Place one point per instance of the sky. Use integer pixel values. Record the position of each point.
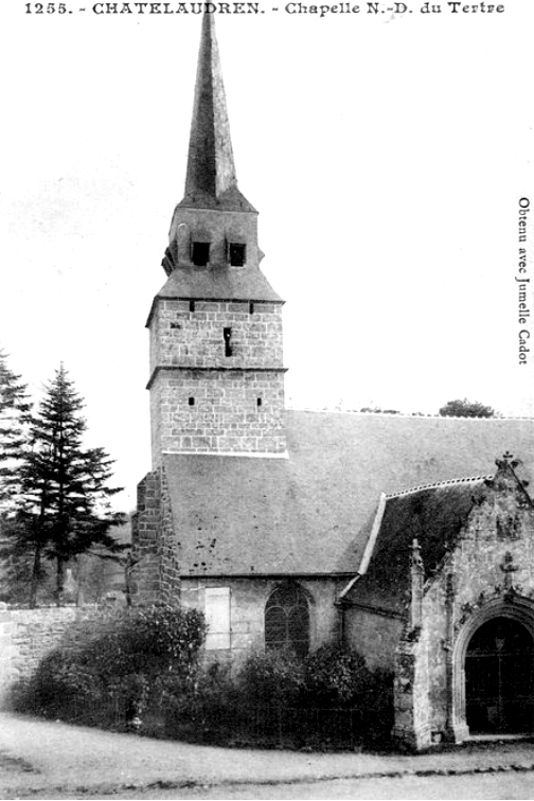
(386, 153)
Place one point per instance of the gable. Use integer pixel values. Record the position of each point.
(435, 517)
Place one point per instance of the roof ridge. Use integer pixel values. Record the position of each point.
(449, 482)
(417, 415)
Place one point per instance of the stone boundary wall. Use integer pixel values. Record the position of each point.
(27, 635)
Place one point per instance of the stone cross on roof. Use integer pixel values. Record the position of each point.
(506, 461)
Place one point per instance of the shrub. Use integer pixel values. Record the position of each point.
(149, 640)
(62, 684)
(273, 677)
(379, 710)
(140, 667)
(331, 676)
(336, 677)
(119, 666)
(210, 712)
(215, 687)
(330, 697)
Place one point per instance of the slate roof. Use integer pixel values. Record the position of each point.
(435, 516)
(211, 177)
(312, 513)
(218, 283)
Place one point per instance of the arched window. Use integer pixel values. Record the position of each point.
(287, 620)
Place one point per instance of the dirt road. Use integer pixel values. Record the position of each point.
(52, 760)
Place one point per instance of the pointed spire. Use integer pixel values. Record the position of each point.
(211, 178)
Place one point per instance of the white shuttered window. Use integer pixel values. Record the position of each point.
(217, 611)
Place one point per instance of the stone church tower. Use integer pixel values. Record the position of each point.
(216, 370)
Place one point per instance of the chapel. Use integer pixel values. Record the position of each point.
(409, 538)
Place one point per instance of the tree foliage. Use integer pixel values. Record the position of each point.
(14, 417)
(64, 505)
(466, 408)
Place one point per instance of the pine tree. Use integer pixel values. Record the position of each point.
(65, 502)
(14, 417)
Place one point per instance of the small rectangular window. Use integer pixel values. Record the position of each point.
(201, 253)
(251, 308)
(258, 401)
(191, 401)
(191, 305)
(237, 253)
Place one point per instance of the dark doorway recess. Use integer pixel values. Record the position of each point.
(499, 671)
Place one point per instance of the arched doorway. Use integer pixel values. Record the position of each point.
(499, 678)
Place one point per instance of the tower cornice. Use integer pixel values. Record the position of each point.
(207, 299)
(193, 369)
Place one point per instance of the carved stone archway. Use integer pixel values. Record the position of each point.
(511, 607)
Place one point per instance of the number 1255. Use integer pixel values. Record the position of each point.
(49, 8)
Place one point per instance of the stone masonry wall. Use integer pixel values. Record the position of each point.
(374, 636)
(247, 607)
(170, 582)
(155, 574)
(436, 634)
(412, 726)
(27, 635)
(225, 416)
(206, 400)
(179, 336)
(146, 541)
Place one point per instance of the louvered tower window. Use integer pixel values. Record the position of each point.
(200, 255)
(287, 620)
(237, 253)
